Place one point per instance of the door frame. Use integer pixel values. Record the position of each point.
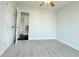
(18, 22)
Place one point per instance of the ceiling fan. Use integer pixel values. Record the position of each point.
(48, 2)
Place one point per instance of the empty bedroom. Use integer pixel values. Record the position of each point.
(39, 28)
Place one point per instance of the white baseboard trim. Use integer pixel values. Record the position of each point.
(42, 38)
(2, 52)
(77, 48)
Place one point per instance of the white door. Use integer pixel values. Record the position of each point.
(9, 26)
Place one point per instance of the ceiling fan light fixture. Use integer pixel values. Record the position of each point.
(48, 2)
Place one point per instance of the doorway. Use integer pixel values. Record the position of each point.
(24, 26)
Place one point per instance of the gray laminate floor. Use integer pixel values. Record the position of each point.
(40, 48)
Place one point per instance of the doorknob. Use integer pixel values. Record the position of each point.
(13, 27)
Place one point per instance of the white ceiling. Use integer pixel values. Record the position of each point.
(58, 4)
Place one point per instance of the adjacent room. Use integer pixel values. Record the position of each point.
(24, 25)
(39, 28)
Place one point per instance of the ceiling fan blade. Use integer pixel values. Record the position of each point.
(52, 4)
(41, 4)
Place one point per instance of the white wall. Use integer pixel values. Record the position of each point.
(42, 23)
(68, 24)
